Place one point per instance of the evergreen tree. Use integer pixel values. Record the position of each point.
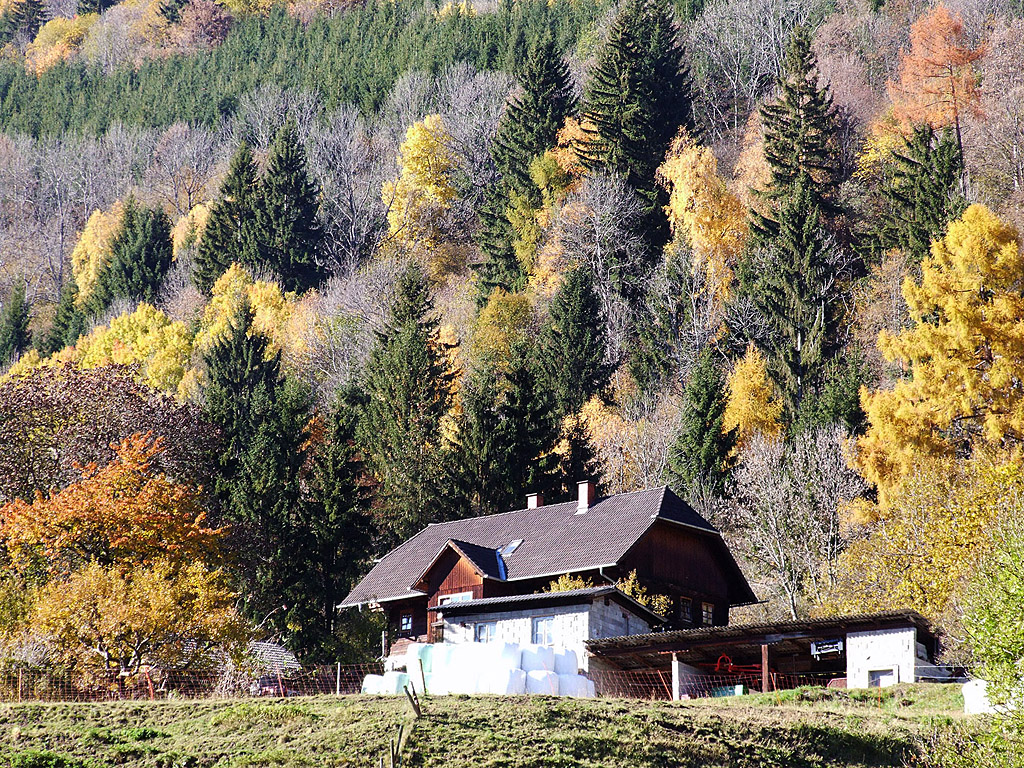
(533, 117)
(700, 453)
(837, 398)
(922, 194)
(409, 384)
(14, 336)
(577, 457)
(262, 417)
(637, 98)
(507, 435)
(573, 343)
(142, 252)
(794, 285)
(26, 16)
(68, 321)
(288, 232)
(501, 267)
(230, 232)
(799, 138)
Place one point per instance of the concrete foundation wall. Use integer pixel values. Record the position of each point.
(881, 657)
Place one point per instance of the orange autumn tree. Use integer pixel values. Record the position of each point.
(123, 513)
(937, 83)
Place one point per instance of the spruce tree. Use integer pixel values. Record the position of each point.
(68, 321)
(262, 417)
(409, 382)
(573, 343)
(26, 16)
(533, 117)
(799, 138)
(794, 287)
(14, 335)
(288, 232)
(507, 435)
(230, 232)
(637, 98)
(922, 193)
(142, 252)
(501, 267)
(700, 453)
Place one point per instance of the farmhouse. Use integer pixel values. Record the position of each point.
(482, 579)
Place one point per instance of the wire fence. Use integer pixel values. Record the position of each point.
(347, 679)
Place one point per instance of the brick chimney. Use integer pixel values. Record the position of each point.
(587, 495)
(534, 500)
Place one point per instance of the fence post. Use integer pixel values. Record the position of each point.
(149, 683)
(19, 685)
(280, 684)
(337, 682)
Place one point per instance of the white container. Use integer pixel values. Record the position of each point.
(372, 684)
(510, 656)
(575, 686)
(566, 662)
(415, 655)
(542, 682)
(394, 683)
(538, 658)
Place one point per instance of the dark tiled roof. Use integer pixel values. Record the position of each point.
(555, 540)
(486, 559)
(568, 597)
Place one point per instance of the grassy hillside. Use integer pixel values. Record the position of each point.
(801, 728)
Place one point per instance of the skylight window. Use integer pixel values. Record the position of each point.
(509, 548)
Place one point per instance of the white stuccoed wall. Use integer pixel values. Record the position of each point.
(881, 649)
(574, 625)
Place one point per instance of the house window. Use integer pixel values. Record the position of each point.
(405, 622)
(686, 610)
(544, 630)
(707, 613)
(485, 632)
(458, 597)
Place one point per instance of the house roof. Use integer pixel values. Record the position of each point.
(545, 599)
(555, 540)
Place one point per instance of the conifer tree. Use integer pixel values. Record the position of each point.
(507, 435)
(501, 267)
(533, 117)
(25, 16)
(262, 417)
(230, 232)
(577, 456)
(922, 194)
(799, 138)
(288, 232)
(14, 336)
(68, 321)
(573, 343)
(637, 99)
(700, 453)
(142, 252)
(409, 383)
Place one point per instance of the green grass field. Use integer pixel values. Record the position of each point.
(806, 727)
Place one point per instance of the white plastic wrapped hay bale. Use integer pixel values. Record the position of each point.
(566, 662)
(575, 686)
(372, 684)
(437, 684)
(439, 657)
(417, 655)
(542, 681)
(591, 689)
(538, 658)
(509, 655)
(503, 682)
(393, 683)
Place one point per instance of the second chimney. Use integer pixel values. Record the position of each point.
(587, 495)
(534, 500)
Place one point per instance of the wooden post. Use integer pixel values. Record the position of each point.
(280, 684)
(337, 681)
(19, 685)
(764, 668)
(677, 683)
(149, 682)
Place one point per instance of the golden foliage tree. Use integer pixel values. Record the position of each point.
(116, 619)
(702, 210)
(937, 83)
(918, 546)
(507, 321)
(965, 352)
(753, 406)
(123, 513)
(94, 249)
(58, 40)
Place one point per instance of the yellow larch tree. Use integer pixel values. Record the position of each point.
(58, 40)
(965, 353)
(506, 321)
(753, 406)
(92, 252)
(188, 229)
(703, 212)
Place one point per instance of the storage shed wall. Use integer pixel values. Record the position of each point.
(878, 651)
(571, 626)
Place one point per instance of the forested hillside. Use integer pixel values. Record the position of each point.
(283, 283)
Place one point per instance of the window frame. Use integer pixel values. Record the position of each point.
(402, 621)
(550, 634)
(492, 631)
(455, 597)
(686, 609)
(707, 614)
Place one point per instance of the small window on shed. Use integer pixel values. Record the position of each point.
(707, 613)
(405, 622)
(685, 610)
(544, 630)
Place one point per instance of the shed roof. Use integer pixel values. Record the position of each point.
(556, 539)
(546, 599)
